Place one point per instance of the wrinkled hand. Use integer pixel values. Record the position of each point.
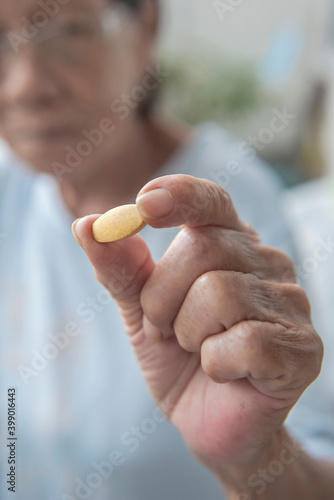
(221, 331)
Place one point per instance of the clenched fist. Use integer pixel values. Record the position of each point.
(221, 330)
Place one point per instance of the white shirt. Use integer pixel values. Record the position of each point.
(85, 399)
(310, 210)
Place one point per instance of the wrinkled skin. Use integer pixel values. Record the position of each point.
(220, 328)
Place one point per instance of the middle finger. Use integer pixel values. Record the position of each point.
(196, 251)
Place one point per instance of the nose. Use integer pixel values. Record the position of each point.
(27, 81)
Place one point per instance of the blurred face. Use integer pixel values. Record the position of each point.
(61, 69)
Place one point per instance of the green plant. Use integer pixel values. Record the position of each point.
(218, 91)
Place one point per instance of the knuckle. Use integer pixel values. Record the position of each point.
(218, 199)
(186, 341)
(195, 241)
(223, 199)
(211, 362)
(303, 300)
(300, 349)
(193, 198)
(228, 287)
(257, 347)
(245, 330)
(275, 263)
(285, 265)
(215, 285)
(316, 354)
(251, 231)
(298, 297)
(205, 282)
(320, 350)
(248, 331)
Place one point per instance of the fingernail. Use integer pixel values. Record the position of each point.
(155, 204)
(76, 230)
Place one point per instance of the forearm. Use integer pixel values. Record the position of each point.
(282, 471)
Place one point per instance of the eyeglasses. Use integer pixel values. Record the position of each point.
(67, 39)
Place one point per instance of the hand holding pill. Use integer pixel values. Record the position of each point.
(219, 326)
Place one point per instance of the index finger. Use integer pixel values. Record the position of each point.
(175, 200)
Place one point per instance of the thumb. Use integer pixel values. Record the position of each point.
(122, 267)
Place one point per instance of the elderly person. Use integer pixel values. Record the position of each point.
(222, 333)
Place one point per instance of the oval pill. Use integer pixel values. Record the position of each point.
(118, 224)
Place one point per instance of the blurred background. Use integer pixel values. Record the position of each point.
(243, 62)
